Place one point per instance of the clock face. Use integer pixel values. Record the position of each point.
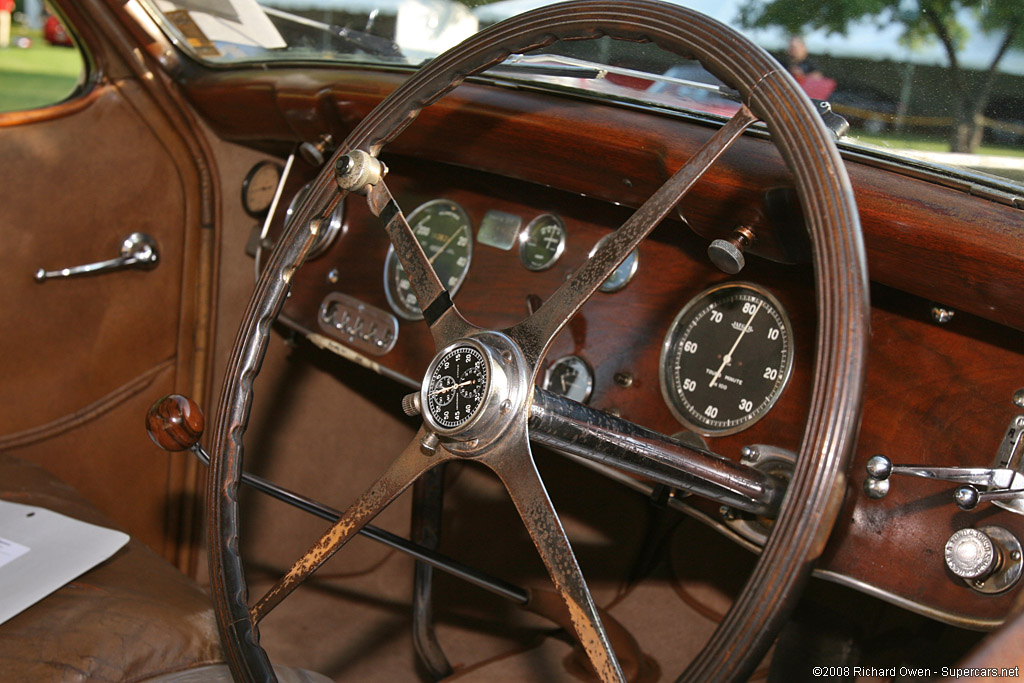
(457, 386)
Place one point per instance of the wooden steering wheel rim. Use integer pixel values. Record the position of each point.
(819, 481)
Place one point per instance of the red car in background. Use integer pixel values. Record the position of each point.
(54, 32)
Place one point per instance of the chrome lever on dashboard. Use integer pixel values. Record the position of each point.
(1003, 484)
(138, 250)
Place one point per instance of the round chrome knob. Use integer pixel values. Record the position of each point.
(879, 467)
(970, 554)
(967, 497)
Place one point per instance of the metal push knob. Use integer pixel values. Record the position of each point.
(970, 554)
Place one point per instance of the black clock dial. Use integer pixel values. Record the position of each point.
(457, 386)
(726, 359)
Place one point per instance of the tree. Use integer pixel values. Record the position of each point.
(923, 20)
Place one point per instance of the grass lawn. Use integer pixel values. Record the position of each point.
(38, 75)
(940, 143)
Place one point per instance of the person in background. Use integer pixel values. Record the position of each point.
(806, 72)
(799, 64)
(6, 8)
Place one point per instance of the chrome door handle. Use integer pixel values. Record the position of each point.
(138, 250)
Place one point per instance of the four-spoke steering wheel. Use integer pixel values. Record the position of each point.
(477, 393)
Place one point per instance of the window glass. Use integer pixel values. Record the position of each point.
(39, 62)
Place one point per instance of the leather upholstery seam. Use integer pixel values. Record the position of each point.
(88, 413)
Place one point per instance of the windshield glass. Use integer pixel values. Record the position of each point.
(942, 86)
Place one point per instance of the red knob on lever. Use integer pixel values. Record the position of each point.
(175, 423)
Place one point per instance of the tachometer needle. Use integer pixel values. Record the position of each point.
(445, 245)
(728, 357)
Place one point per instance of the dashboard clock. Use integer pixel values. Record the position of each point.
(726, 358)
(457, 386)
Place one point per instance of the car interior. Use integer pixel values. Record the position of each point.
(497, 365)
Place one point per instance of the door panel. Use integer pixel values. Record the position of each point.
(76, 352)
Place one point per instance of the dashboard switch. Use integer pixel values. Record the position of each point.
(988, 558)
(727, 255)
(971, 554)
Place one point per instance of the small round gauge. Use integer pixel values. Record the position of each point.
(457, 385)
(335, 224)
(444, 232)
(570, 376)
(726, 358)
(621, 276)
(542, 242)
(259, 187)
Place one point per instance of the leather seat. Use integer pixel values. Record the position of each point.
(131, 618)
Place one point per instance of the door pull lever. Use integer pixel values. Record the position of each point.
(138, 250)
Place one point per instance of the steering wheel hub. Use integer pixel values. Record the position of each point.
(474, 391)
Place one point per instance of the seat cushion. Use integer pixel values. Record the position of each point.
(131, 617)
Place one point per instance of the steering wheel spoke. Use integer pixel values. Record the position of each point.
(406, 469)
(515, 467)
(603, 438)
(534, 334)
(445, 322)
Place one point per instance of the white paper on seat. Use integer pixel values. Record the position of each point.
(41, 550)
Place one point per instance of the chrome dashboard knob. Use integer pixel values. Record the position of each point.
(987, 559)
(970, 554)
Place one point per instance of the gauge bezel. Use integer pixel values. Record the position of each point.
(400, 309)
(632, 259)
(589, 374)
(665, 371)
(524, 237)
(247, 183)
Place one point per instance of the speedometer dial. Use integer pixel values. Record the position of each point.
(444, 232)
(726, 358)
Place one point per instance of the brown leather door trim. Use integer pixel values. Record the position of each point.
(88, 413)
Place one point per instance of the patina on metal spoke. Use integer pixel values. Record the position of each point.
(405, 470)
(534, 334)
(445, 322)
(514, 465)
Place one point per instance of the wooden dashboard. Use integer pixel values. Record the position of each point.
(937, 394)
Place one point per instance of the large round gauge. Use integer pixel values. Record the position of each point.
(444, 232)
(726, 358)
(457, 386)
(625, 271)
(328, 233)
(542, 242)
(259, 188)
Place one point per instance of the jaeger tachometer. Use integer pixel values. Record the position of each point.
(726, 358)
